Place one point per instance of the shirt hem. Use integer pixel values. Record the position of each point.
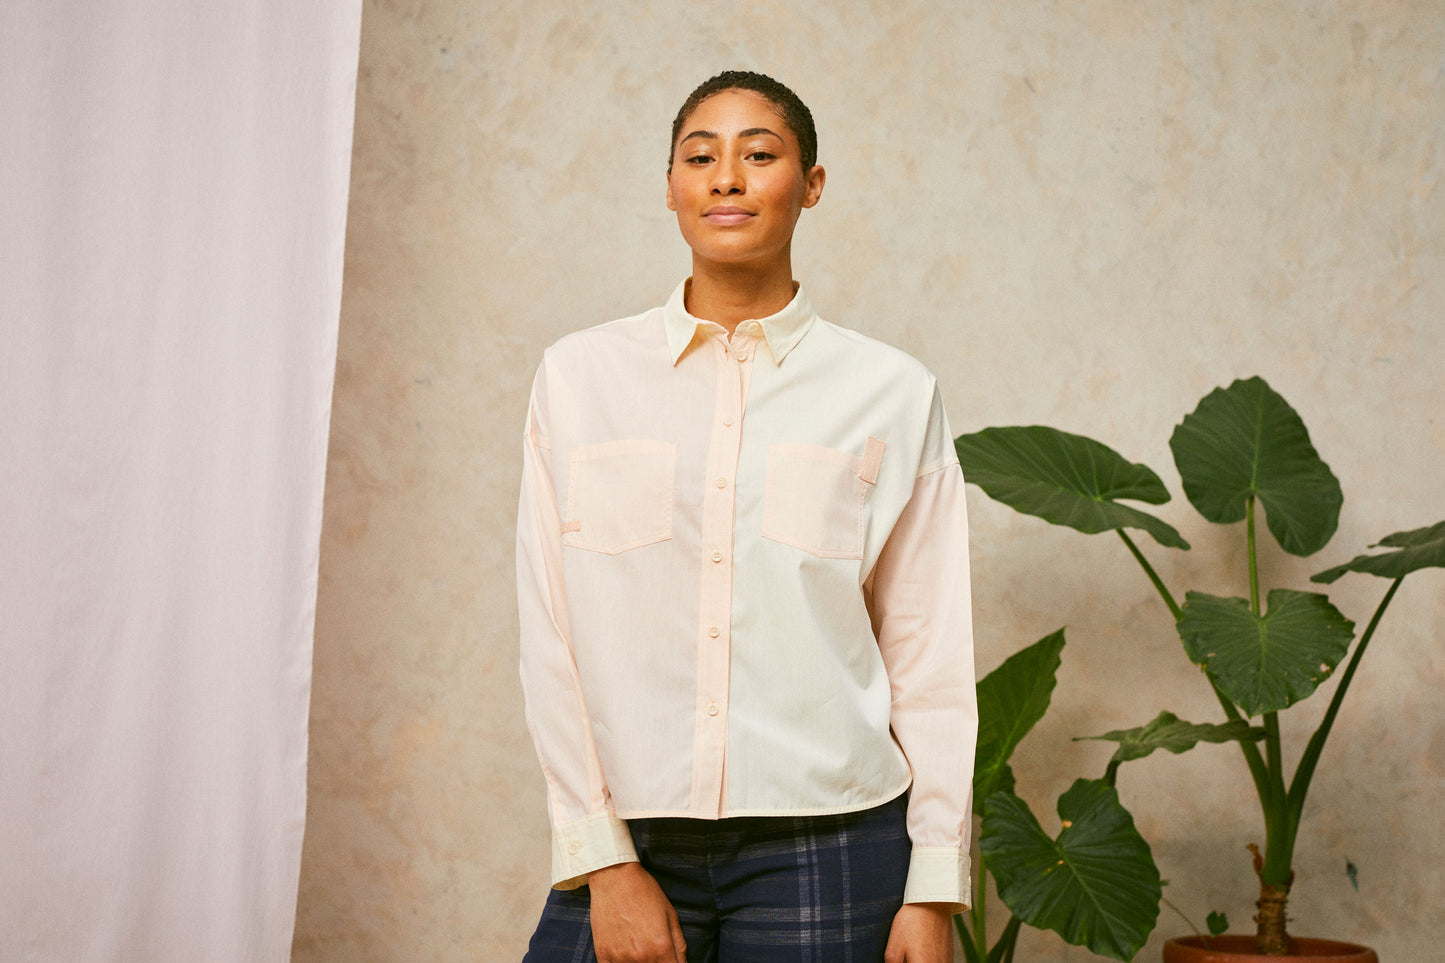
(887, 797)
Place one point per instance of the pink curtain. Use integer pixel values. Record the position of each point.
(173, 179)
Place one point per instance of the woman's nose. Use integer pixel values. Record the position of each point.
(727, 177)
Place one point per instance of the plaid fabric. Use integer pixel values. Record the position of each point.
(769, 889)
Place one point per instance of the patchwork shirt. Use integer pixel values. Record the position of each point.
(742, 567)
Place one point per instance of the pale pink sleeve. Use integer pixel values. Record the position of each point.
(586, 833)
(919, 600)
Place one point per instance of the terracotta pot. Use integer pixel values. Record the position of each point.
(1240, 949)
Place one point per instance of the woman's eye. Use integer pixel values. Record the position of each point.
(699, 159)
(759, 155)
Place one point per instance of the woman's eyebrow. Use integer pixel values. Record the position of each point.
(713, 135)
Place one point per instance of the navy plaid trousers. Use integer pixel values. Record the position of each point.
(759, 889)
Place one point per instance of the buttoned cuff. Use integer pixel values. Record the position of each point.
(588, 844)
(938, 874)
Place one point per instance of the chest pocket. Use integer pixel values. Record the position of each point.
(814, 497)
(619, 495)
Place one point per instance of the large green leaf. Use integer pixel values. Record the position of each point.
(1011, 699)
(1267, 663)
(1168, 731)
(1417, 548)
(1096, 885)
(1064, 479)
(1245, 440)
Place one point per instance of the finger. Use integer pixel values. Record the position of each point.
(679, 945)
(894, 951)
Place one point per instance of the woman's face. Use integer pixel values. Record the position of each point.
(737, 182)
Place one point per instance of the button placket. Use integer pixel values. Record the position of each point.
(715, 588)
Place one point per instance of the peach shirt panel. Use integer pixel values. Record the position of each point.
(743, 585)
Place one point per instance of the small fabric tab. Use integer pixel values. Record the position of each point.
(872, 461)
(571, 526)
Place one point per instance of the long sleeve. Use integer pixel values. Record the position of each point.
(919, 601)
(586, 832)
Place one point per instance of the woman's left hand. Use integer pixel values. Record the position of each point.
(921, 933)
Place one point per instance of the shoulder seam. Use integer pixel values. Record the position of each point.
(937, 466)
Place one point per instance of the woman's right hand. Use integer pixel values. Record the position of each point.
(632, 921)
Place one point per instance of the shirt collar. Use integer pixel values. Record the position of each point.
(782, 331)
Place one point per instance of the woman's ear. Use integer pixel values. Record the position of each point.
(671, 204)
(813, 185)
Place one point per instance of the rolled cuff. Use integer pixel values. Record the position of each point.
(589, 844)
(938, 874)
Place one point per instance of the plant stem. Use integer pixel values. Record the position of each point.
(1007, 942)
(1273, 749)
(1252, 758)
(1275, 873)
(1253, 557)
(1180, 913)
(1258, 771)
(965, 939)
(1174, 609)
(1300, 786)
(1269, 779)
(1278, 837)
(979, 910)
(1271, 935)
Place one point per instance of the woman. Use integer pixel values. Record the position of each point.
(743, 584)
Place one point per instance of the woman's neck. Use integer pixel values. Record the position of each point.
(730, 295)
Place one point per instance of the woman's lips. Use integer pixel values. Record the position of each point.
(726, 216)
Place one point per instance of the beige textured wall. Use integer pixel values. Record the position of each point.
(1082, 214)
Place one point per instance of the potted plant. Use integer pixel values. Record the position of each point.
(1094, 883)
(1241, 450)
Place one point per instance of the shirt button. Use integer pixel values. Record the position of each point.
(722, 482)
(574, 847)
(717, 556)
(742, 356)
(727, 421)
(714, 631)
(712, 708)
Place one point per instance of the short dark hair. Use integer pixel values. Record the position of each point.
(790, 108)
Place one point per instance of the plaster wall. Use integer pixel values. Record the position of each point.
(1085, 215)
